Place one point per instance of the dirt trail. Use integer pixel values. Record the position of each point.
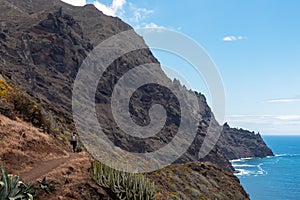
(41, 168)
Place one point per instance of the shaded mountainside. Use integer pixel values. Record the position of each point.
(42, 46)
(239, 143)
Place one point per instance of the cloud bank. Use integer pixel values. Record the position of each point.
(267, 124)
(294, 100)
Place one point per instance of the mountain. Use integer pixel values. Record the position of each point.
(43, 44)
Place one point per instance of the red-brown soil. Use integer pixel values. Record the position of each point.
(33, 155)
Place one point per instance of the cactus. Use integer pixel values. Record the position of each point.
(13, 189)
(123, 184)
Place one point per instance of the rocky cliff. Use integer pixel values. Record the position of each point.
(44, 42)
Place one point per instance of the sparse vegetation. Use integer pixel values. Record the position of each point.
(13, 189)
(123, 184)
(6, 108)
(47, 186)
(5, 89)
(28, 110)
(17, 102)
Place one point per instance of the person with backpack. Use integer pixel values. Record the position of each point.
(73, 141)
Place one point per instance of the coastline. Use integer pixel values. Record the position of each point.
(266, 178)
(238, 171)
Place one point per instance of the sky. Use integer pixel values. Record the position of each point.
(255, 46)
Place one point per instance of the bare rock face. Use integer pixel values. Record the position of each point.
(239, 143)
(44, 42)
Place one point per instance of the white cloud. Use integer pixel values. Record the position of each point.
(265, 119)
(139, 13)
(284, 100)
(152, 25)
(234, 38)
(130, 13)
(116, 8)
(75, 2)
(288, 117)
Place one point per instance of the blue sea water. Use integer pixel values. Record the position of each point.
(274, 178)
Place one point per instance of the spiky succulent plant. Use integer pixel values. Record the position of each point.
(11, 188)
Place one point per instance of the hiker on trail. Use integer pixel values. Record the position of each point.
(73, 141)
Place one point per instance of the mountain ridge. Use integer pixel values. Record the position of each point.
(49, 54)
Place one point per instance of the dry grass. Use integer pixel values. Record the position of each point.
(26, 150)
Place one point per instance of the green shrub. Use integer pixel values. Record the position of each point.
(47, 186)
(7, 109)
(16, 102)
(26, 108)
(5, 89)
(29, 110)
(123, 184)
(13, 189)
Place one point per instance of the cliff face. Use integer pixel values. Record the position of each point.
(43, 44)
(239, 143)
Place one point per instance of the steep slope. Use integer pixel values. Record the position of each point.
(43, 44)
(33, 155)
(198, 181)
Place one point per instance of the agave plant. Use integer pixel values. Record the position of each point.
(11, 188)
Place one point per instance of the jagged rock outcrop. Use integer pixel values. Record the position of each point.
(43, 44)
(239, 143)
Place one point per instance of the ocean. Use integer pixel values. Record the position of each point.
(274, 178)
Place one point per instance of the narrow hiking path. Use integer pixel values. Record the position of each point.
(41, 168)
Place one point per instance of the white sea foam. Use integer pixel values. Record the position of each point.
(242, 172)
(242, 165)
(241, 159)
(250, 158)
(260, 171)
(255, 170)
(280, 155)
(286, 155)
(235, 160)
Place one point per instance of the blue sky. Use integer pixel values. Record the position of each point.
(254, 44)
